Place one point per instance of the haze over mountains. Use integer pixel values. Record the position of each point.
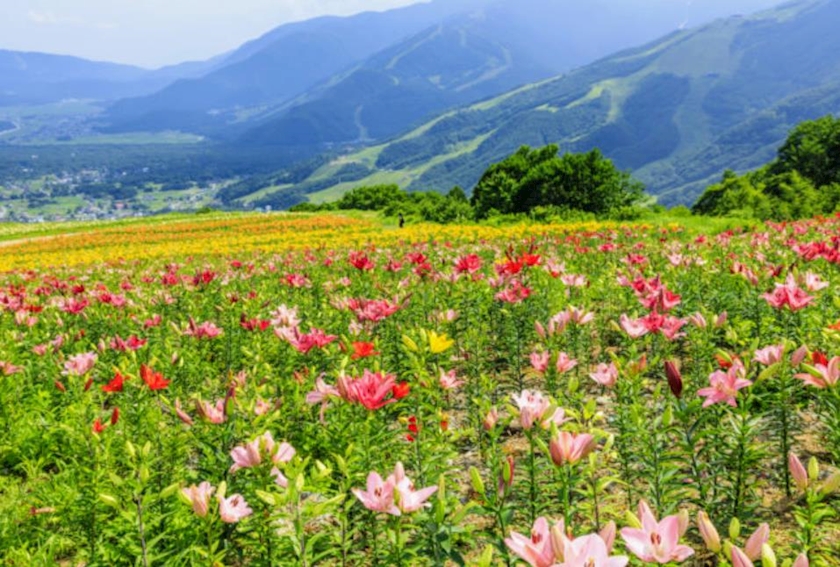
(37, 78)
(485, 77)
(371, 75)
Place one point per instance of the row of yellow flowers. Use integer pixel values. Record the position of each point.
(244, 234)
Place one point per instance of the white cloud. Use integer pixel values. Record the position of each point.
(42, 18)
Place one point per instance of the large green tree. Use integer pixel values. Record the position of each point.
(802, 181)
(539, 177)
(813, 150)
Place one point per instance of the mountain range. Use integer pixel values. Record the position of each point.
(370, 76)
(39, 78)
(430, 94)
(676, 112)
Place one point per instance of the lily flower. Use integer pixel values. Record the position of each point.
(379, 496)
(605, 374)
(724, 386)
(199, 497)
(537, 550)
(233, 508)
(570, 448)
(589, 551)
(656, 542)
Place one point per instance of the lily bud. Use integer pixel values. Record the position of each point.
(632, 520)
(506, 478)
(558, 540)
(831, 484)
(607, 534)
(698, 320)
(801, 561)
(490, 419)
(758, 538)
(740, 559)
(797, 471)
(182, 415)
(813, 469)
(672, 372)
(708, 532)
(768, 558)
(683, 520)
(799, 355)
(475, 479)
(734, 529)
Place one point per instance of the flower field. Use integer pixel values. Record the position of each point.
(323, 390)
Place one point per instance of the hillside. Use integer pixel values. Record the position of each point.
(372, 75)
(274, 68)
(677, 111)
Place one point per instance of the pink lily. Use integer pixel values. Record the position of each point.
(532, 406)
(656, 542)
(770, 355)
(79, 364)
(449, 380)
(206, 330)
(214, 413)
(605, 374)
(369, 390)
(564, 363)
(589, 551)
(199, 497)
(537, 550)
(822, 375)
(579, 315)
(408, 499)
(724, 386)
(379, 496)
(813, 282)
(246, 456)
(569, 448)
(539, 361)
(634, 328)
(233, 509)
(788, 294)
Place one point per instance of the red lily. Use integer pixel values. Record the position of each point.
(154, 380)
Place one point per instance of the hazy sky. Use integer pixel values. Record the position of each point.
(151, 33)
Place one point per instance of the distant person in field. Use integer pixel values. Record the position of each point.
(402, 220)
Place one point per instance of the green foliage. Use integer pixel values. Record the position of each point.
(530, 178)
(812, 149)
(804, 180)
(371, 198)
(392, 201)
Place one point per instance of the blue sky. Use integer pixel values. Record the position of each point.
(152, 33)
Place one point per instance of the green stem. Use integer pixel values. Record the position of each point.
(532, 474)
(567, 494)
(398, 540)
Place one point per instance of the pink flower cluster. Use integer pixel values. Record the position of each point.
(231, 509)
(549, 546)
(251, 455)
(395, 495)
